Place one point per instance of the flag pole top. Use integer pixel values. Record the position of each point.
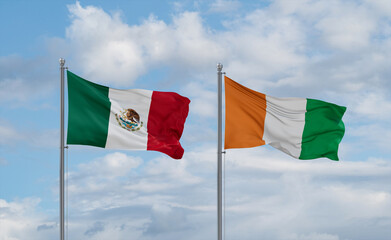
(62, 61)
(219, 67)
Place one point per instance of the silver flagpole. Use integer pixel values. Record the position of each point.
(62, 232)
(219, 153)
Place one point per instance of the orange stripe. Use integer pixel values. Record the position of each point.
(245, 112)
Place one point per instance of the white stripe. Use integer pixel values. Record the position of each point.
(284, 124)
(121, 100)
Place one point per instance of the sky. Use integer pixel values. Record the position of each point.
(336, 51)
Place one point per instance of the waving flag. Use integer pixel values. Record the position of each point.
(303, 128)
(125, 119)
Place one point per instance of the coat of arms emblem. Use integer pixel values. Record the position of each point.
(129, 119)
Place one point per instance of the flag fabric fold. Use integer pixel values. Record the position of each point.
(133, 119)
(303, 128)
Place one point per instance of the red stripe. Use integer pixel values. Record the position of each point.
(167, 116)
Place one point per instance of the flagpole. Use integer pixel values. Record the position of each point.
(219, 153)
(62, 232)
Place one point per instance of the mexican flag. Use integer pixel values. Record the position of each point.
(133, 119)
(303, 128)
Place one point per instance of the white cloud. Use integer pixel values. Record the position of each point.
(372, 105)
(371, 136)
(265, 189)
(261, 46)
(98, 227)
(101, 177)
(162, 219)
(347, 25)
(265, 192)
(111, 166)
(169, 199)
(307, 48)
(382, 7)
(20, 219)
(336, 49)
(303, 46)
(111, 51)
(201, 100)
(104, 44)
(284, 49)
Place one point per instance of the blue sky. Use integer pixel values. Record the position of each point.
(337, 51)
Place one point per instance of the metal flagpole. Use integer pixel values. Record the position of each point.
(62, 232)
(219, 153)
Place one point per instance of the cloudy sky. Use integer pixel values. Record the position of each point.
(337, 51)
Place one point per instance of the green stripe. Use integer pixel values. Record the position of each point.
(323, 130)
(88, 112)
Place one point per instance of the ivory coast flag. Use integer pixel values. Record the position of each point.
(125, 119)
(303, 128)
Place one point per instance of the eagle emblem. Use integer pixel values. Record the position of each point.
(129, 119)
